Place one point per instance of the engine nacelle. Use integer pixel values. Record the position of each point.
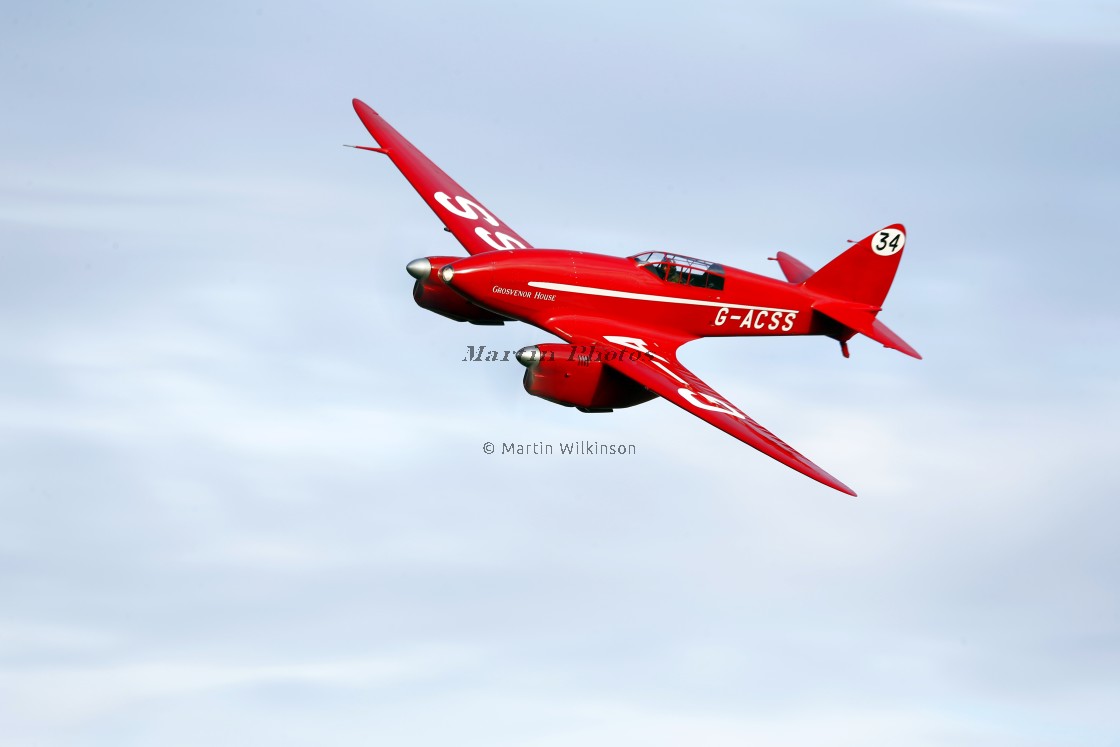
(554, 373)
(431, 293)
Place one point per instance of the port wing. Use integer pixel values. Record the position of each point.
(649, 358)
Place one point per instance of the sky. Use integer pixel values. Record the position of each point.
(243, 496)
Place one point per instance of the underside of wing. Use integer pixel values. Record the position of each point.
(650, 359)
(476, 228)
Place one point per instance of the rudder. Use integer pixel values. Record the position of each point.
(865, 271)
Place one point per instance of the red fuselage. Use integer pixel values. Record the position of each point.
(540, 286)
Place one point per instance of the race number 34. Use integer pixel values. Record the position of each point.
(888, 241)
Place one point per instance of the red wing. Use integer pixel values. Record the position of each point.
(650, 359)
(476, 228)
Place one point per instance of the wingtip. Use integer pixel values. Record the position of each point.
(809, 469)
(835, 484)
(362, 107)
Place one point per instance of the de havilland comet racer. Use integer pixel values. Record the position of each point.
(624, 318)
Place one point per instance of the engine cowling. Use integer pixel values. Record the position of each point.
(553, 372)
(431, 293)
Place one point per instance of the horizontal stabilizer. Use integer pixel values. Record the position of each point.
(861, 318)
(794, 269)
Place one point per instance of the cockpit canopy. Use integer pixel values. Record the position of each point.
(677, 268)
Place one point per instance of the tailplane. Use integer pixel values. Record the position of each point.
(854, 286)
(857, 317)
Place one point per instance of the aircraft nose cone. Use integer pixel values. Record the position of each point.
(419, 268)
(528, 356)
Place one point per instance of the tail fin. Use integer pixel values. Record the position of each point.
(864, 272)
(855, 285)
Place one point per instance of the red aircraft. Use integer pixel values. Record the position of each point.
(624, 318)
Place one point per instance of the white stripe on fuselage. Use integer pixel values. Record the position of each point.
(589, 291)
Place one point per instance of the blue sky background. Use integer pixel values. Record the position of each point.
(242, 492)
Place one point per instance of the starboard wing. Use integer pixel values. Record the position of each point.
(476, 228)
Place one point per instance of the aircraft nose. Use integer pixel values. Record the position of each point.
(419, 268)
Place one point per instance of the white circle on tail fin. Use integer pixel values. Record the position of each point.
(888, 241)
